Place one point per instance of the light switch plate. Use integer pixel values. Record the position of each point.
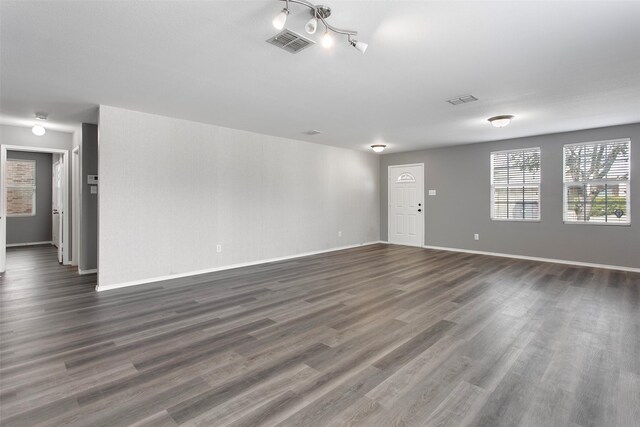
(432, 192)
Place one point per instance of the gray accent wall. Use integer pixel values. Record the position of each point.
(171, 190)
(89, 215)
(37, 228)
(461, 207)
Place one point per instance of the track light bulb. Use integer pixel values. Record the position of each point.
(361, 46)
(312, 25)
(327, 40)
(280, 19)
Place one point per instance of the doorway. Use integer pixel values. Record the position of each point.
(62, 219)
(406, 204)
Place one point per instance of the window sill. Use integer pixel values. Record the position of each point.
(615, 224)
(514, 220)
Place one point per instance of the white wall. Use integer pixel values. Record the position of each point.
(19, 135)
(171, 190)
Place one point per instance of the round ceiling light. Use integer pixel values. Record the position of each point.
(38, 130)
(378, 148)
(500, 121)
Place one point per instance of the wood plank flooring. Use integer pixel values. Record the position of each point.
(375, 336)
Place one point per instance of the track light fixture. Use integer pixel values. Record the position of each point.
(280, 19)
(361, 46)
(319, 13)
(327, 40)
(311, 26)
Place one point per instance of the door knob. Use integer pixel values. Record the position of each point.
(419, 210)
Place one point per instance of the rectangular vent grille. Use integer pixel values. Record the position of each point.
(464, 99)
(290, 41)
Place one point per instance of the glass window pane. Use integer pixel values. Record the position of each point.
(20, 201)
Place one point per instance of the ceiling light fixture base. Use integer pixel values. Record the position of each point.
(321, 12)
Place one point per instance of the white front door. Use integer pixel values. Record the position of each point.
(406, 204)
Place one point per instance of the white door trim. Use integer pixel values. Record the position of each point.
(389, 198)
(3, 197)
(75, 205)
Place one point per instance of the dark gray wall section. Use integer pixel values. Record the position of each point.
(30, 229)
(89, 216)
(461, 207)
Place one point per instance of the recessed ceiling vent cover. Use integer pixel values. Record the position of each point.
(290, 41)
(464, 99)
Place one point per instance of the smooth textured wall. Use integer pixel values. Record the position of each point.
(171, 190)
(461, 177)
(37, 228)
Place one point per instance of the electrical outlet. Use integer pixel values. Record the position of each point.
(476, 237)
(432, 192)
(339, 233)
(218, 248)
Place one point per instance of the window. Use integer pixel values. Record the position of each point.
(596, 182)
(405, 177)
(515, 185)
(21, 187)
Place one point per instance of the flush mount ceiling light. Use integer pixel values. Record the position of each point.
(378, 148)
(500, 121)
(39, 130)
(319, 13)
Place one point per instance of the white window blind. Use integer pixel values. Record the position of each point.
(596, 182)
(515, 185)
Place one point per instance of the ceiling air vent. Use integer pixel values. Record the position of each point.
(464, 99)
(290, 41)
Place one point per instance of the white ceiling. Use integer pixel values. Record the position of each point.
(556, 66)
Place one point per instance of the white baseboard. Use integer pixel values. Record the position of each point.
(533, 258)
(83, 272)
(16, 245)
(101, 288)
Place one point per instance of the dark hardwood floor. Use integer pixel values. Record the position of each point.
(374, 336)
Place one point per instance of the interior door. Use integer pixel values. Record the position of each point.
(406, 204)
(57, 208)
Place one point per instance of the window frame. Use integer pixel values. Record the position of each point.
(508, 186)
(565, 184)
(32, 187)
